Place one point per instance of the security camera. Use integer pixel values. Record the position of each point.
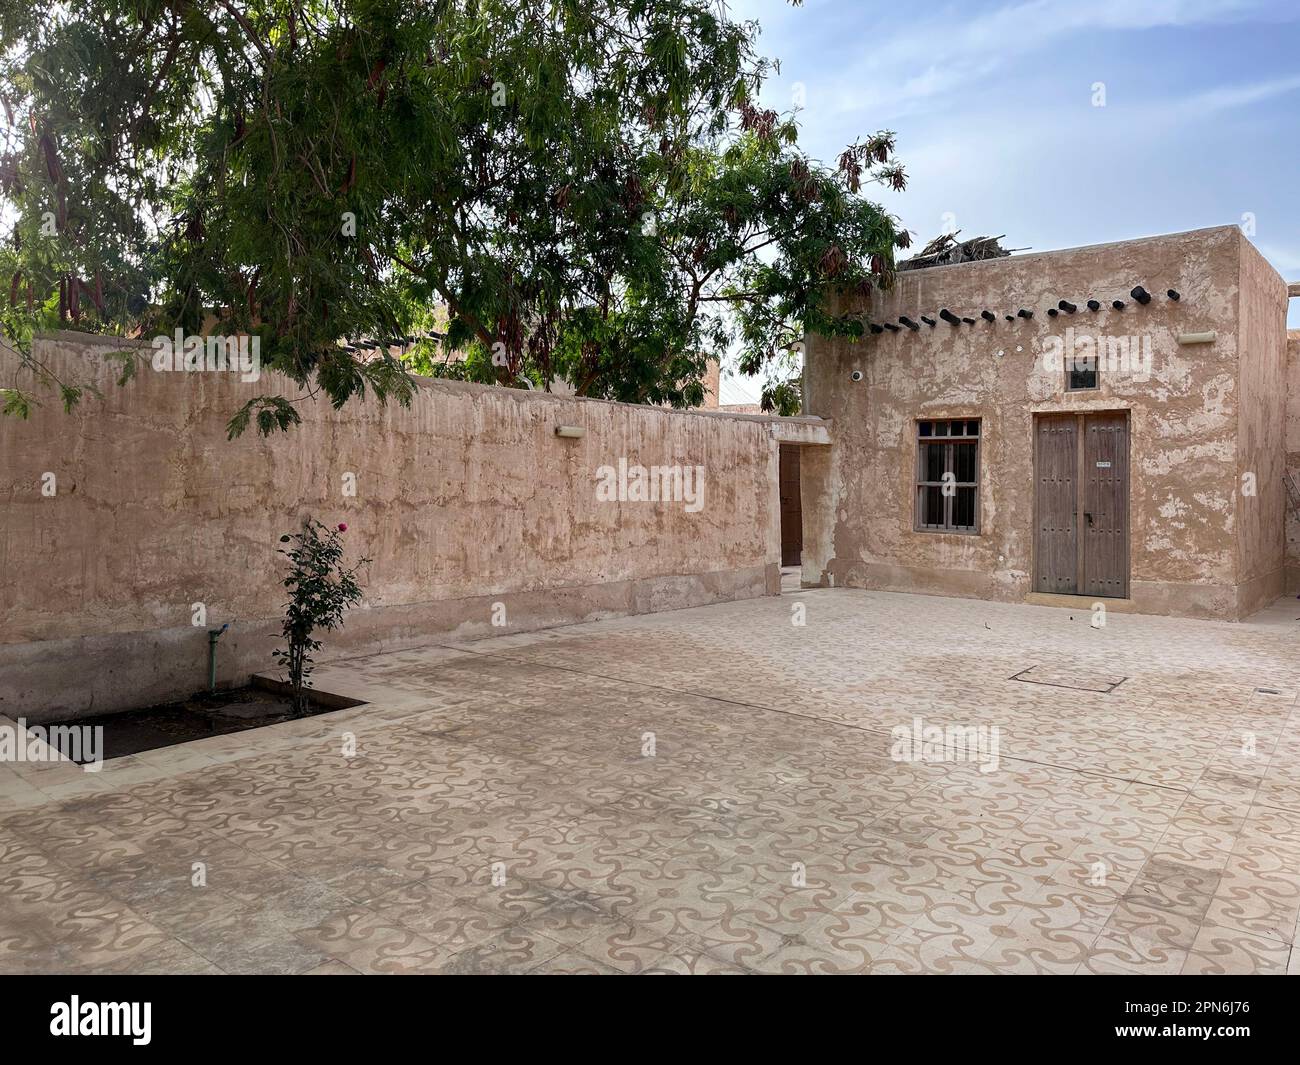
(856, 375)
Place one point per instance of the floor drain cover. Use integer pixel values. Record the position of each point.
(1078, 679)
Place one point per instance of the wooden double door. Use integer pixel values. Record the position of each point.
(1081, 474)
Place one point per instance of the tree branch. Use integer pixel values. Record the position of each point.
(247, 27)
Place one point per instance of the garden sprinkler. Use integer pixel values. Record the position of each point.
(213, 636)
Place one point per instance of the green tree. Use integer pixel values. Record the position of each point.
(320, 592)
(586, 186)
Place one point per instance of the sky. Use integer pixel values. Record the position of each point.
(1055, 123)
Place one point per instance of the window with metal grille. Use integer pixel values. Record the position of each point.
(947, 475)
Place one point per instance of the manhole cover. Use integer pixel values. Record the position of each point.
(1079, 679)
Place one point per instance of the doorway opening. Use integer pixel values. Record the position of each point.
(791, 518)
(1081, 473)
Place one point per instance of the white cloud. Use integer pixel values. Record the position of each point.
(1225, 97)
(938, 55)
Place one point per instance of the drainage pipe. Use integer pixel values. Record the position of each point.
(213, 636)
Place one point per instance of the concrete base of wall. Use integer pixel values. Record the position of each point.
(54, 680)
(962, 583)
(1256, 594)
(1186, 600)
(1218, 602)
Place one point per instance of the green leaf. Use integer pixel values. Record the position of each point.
(128, 362)
(17, 404)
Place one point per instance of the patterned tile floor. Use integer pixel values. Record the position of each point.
(705, 791)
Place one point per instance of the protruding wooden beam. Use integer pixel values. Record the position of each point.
(1173, 294)
(1117, 304)
(909, 323)
(877, 329)
(988, 316)
(1066, 305)
(1052, 312)
(968, 321)
(1093, 305)
(949, 317)
(1141, 295)
(928, 321)
(1022, 313)
(891, 327)
(1293, 289)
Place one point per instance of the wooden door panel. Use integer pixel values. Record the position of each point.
(1104, 506)
(1056, 546)
(791, 505)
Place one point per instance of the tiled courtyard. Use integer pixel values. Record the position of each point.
(705, 791)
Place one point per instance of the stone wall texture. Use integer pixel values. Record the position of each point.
(463, 500)
(1206, 415)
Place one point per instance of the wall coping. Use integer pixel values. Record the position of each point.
(1049, 253)
(438, 384)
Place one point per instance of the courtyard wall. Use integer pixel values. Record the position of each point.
(470, 506)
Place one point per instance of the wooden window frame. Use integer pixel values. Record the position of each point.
(920, 484)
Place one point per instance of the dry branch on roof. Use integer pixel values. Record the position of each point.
(946, 249)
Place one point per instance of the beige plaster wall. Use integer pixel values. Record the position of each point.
(463, 500)
(1188, 555)
(1261, 433)
(1293, 462)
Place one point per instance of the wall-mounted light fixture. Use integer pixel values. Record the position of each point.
(571, 432)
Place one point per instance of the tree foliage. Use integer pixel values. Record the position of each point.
(320, 591)
(582, 190)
